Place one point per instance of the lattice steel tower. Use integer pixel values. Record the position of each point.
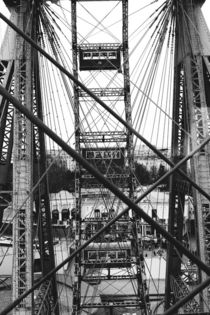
(100, 60)
(19, 74)
(190, 113)
(104, 65)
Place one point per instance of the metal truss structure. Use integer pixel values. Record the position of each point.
(105, 157)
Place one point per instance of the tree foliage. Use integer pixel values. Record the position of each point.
(149, 176)
(142, 174)
(60, 177)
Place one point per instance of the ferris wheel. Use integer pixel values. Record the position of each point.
(118, 92)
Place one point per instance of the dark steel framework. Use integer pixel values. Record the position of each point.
(28, 65)
(188, 91)
(94, 146)
(190, 113)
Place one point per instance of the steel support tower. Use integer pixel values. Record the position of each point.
(191, 114)
(20, 75)
(109, 148)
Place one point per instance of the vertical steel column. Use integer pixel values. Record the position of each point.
(193, 45)
(177, 193)
(6, 134)
(130, 156)
(77, 227)
(22, 170)
(199, 128)
(127, 95)
(48, 291)
(128, 185)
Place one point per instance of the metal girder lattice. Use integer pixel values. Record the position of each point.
(99, 140)
(177, 193)
(181, 290)
(6, 135)
(171, 239)
(20, 76)
(77, 263)
(47, 299)
(192, 116)
(200, 163)
(22, 173)
(142, 287)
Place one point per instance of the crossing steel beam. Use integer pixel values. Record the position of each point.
(115, 190)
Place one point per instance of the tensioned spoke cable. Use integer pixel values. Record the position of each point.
(53, 61)
(161, 110)
(152, 54)
(99, 25)
(80, 18)
(114, 189)
(160, 100)
(132, 14)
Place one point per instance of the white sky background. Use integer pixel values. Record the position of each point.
(3, 9)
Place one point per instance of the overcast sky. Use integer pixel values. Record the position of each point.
(206, 11)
